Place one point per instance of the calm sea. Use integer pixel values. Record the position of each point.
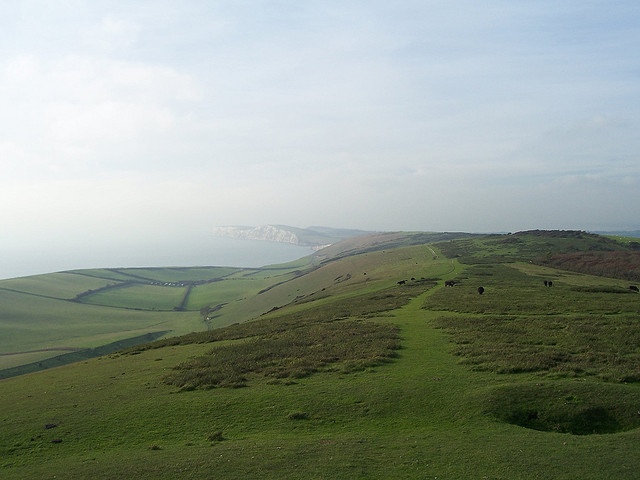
(209, 251)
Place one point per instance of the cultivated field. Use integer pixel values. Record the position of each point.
(46, 316)
(360, 364)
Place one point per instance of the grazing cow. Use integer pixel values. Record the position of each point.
(480, 290)
(550, 283)
(546, 284)
(449, 283)
(402, 282)
(633, 288)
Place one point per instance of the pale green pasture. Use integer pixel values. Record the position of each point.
(138, 296)
(224, 291)
(107, 273)
(33, 321)
(276, 273)
(246, 294)
(29, 322)
(354, 275)
(178, 274)
(63, 285)
(9, 361)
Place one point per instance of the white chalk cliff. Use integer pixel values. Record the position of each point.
(313, 237)
(268, 233)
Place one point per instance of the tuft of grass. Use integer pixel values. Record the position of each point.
(298, 416)
(216, 436)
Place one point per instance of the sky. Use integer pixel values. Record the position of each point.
(132, 122)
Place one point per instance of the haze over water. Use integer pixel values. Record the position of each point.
(201, 251)
(132, 121)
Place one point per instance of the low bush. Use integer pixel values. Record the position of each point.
(291, 353)
(360, 306)
(596, 345)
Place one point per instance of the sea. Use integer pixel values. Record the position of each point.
(209, 251)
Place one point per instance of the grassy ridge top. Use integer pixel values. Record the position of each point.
(523, 381)
(530, 246)
(567, 250)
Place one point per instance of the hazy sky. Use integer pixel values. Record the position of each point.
(125, 121)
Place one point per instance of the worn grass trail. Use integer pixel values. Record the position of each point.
(461, 441)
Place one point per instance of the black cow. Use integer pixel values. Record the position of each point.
(633, 288)
(480, 290)
(449, 283)
(550, 283)
(546, 284)
(402, 282)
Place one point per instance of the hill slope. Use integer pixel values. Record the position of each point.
(523, 381)
(49, 320)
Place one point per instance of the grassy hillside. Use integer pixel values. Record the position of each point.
(46, 316)
(359, 363)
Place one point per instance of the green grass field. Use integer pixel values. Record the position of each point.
(63, 285)
(139, 296)
(522, 382)
(44, 316)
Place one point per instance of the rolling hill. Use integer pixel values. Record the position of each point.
(355, 362)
